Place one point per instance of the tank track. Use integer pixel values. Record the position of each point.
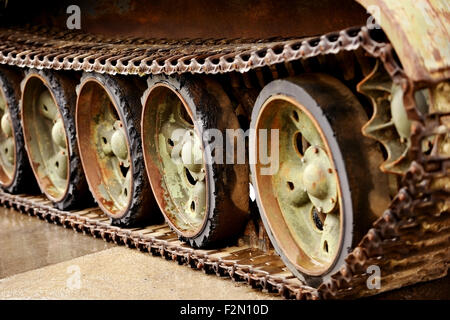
(43, 48)
(410, 242)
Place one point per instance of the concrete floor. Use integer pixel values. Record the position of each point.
(27, 243)
(43, 261)
(39, 260)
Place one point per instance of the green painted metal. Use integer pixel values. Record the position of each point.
(399, 116)
(419, 32)
(306, 184)
(7, 153)
(182, 162)
(113, 155)
(48, 142)
(389, 123)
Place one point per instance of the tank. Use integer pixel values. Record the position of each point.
(301, 146)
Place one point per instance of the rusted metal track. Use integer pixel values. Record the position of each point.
(44, 48)
(410, 243)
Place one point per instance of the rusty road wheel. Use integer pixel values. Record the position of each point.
(15, 170)
(107, 118)
(328, 188)
(203, 200)
(47, 109)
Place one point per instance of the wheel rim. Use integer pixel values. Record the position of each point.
(177, 158)
(7, 144)
(104, 148)
(304, 196)
(45, 138)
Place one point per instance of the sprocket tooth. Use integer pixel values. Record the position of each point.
(378, 87)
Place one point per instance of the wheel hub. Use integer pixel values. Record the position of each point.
(6, 125)
(319, 180)
(58, 134)
(119, 142)
(315, 181)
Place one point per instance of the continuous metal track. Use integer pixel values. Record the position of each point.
(410, 242)
(43, 48)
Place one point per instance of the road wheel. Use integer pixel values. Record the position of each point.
(327, 190)
(15, 169)
(47, 110)
(107, 117)
(203, 199)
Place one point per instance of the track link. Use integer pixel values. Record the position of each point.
(43, 48)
